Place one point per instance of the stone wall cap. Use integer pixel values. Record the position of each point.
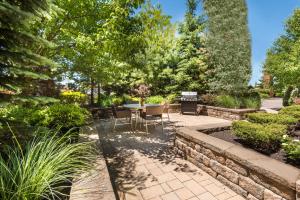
(232, 110)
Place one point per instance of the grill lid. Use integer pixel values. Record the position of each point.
(189, 96)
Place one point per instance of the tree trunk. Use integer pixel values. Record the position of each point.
(92, 91)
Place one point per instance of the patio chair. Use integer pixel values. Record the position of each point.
(152, 113)
(119, 114)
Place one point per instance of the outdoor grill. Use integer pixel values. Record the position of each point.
(189, 102)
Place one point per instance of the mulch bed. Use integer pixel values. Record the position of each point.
(278, 155)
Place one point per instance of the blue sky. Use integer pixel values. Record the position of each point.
(266, 23)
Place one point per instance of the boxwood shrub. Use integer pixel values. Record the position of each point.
(265, 137)
(269, 118)
(293, 110)
(291, 147)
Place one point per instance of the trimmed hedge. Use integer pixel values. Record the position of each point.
(264, 136)
(291, 147)
(291, 110)
(269, 118)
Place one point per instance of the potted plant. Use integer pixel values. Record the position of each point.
(142, 91)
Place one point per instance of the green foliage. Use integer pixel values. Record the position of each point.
(192, 65)
(228, 45)
(269, 118)
(250, 99)
(20, 63)
(171, 98)
(265, 136)
(43, 169)
(73, 97)
(282, 61)
(155, 99)
(293, 110)
(291, 147)
(287, 95)
(227, 101)
(64, 116)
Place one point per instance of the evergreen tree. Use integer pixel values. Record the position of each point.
(191, 69)
(228, 45)
(19, 64)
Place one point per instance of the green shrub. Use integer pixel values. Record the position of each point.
(171, 98)
(264, 96)
(117, 100)
(65, 116)
(291, 147)
(287, 95)
(154, 99)
(73, 97)
(250, 102)
(270, 118)
(44, 169)
(293, 110)
(264, 136)
(227, 101)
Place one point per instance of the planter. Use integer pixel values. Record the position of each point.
(249, 173)
(224, 113)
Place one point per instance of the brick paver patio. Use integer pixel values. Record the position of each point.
(144, 167)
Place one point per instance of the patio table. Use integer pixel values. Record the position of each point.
(137, 108)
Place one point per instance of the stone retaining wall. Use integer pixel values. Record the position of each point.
(224, 113)
(250, 174)
(174, 108)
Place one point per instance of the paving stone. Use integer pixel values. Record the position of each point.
(206, 196)
(151, 166)
(156, 171)
(194, 187)
(236, 198)
(200, 177)
(182, 176)
(205, 182)
(213, 189)
(184, 194)
(166, 177)
(223, 196)
(170, 196)
(175, 184)
(166, 188)
(193, 198)
(152, 192)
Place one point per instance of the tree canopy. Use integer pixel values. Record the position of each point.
(283, 58)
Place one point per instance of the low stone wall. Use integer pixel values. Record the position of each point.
(250, 174)
(174, 108)
(224, 113)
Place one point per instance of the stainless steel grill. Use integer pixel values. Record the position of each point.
(189, 102)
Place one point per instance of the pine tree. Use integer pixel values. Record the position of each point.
(228, 45)
(19, 64)
(191, 69)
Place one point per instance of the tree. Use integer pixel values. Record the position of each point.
(191, 69)
(96, 40)
(283, 58)
(19, 63)
(228, 45)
